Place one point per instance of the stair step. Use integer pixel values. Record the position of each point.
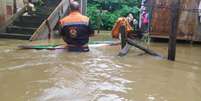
(32, 18)
(52, 2)
(26, 24)
(21, 30)
(44, 11)
(15, 36)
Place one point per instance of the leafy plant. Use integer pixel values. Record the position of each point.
(104, 13)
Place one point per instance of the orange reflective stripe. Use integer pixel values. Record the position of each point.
(74, 18)
(75, 23)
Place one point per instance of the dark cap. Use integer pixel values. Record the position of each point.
(74, 6)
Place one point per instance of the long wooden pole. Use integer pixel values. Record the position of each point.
(127, 42)
(148, 51)
(173, 33)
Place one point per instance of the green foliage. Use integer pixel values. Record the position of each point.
(109, 20)
(92, 11)
(104, 13)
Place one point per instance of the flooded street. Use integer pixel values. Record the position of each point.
(100, 75)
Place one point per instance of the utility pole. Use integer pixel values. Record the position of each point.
(173, 34)
(14, 6)
(84, 7)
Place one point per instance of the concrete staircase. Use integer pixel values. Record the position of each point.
(25, 25)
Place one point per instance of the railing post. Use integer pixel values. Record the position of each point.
(14, 6)
(49, 29)
(123, 36)
(173, 33)
(84, 7)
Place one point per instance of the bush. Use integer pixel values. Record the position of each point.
(104, 13)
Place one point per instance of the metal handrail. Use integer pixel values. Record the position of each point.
(45, 29)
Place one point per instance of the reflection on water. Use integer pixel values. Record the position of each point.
(100, 75)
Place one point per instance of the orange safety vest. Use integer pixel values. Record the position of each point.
(74, 18)
(116, 28)
(76, 29)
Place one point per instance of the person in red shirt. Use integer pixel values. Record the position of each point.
(75, 29)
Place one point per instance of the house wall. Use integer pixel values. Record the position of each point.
(6, 9)
(161, 18)
(188, 22)
(187, 19)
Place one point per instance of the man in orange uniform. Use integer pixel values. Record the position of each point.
(76, 29)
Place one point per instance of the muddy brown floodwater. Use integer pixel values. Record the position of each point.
(100, 75)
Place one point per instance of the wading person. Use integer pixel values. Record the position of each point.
(130, 24)
(145, 20)
(30, 8)
(75, 29)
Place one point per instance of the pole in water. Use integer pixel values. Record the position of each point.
(173, 33)
(123, 36)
